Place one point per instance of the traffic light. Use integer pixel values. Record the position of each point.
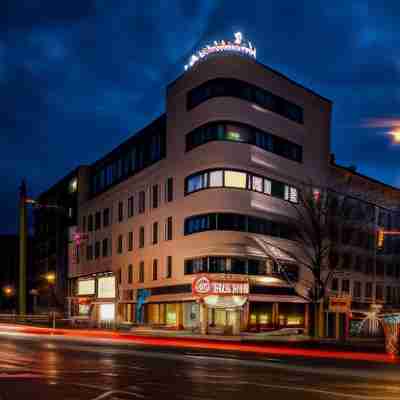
(381, 239)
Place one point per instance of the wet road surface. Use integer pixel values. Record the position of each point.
(43, 367)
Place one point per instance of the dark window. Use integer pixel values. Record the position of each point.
(84, 223)
(155, 269)
(379, 292)
(155, 232)
(97, 220)
(368, 290)
(141, 237)
(217, 265)
(89, 252)
(130, 207)
(357, 289)
(345, 286)
(228, 87)
(235, 222)
(120, 211)
(130, 273)
(119, 276)
(155, 196)
(90, 223)
(241, 133)
(97, 250)
(169, 267)
(105, 247)
(142, 202)
(335, 285)
(168, 229)
(130, 241)
(106, 217)
(169, 192)
(255, 267)
(141, 271)
(119, 244)
(237, 266)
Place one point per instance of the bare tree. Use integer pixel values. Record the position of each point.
(319, 218)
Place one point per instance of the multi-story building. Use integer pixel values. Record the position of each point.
(189, 194)
(55, 219)
(170, 233)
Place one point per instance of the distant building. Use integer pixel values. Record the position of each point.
(55, 218)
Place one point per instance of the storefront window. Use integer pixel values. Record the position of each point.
(106, 287)
(171, 314)
(86, 287)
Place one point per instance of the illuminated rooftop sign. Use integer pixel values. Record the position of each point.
(237, 46)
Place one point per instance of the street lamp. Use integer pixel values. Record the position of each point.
(51, 280)
(8, 292)
(395, 136)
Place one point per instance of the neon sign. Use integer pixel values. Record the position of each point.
(238, 46)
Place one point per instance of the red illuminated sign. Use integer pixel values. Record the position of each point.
(205, 286)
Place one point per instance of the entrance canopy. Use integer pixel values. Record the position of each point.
(216, 301)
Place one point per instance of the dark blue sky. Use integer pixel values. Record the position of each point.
(78, 77)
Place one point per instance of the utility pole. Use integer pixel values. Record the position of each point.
(23, 237)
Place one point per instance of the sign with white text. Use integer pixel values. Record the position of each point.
(206, 286)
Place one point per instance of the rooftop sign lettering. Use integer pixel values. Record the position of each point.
(237, 46)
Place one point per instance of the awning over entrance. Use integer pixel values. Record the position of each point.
(276, 298)
(215, 301)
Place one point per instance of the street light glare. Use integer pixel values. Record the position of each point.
(51, 277)
(395, 135)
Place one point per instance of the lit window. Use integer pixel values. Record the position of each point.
(257, 184)
(73, 185)
(107, 312)
(216, 179)
(267, 186)
(291, 194)
(234, 136)
(235, 179)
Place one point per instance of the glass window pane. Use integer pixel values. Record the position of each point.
(216, 179)
(235, 179)
(257, 184)
(267, 186)
(195, 183)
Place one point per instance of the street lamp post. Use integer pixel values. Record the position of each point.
(51, 280)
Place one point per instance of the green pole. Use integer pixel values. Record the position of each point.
(22, 248)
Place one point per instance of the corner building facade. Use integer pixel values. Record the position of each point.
(196, 194)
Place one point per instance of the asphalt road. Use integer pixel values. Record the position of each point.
(42, 367)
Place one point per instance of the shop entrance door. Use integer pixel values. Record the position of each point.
(223, 321)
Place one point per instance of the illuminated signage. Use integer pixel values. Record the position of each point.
(86, 287)
(106, 287)
(340, 304)
(237, 46)
(205, 286)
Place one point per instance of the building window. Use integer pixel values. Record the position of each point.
(169, 267)
(97, 250)
(119, 276)
(105, 247)
(155, 196)
(89, 252)
(97, 221)
(141, 271)
(168, 229)
(84, 223)
(155, 269)
(155, 232)
(335, 285)
(142, 202)
(141, 237)
(235, 179)
(130, 241)
(345, 286)
(120, 211)
(357, 289)
(169, 190)
(130, 207)
(235, 222)
(217, 131)
(379, 292)
(130, 273)
(90, 223)
(368, 290)
(119, 244)
(229, 87)
(239, 180)
(106, 217)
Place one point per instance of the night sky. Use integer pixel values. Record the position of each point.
(79, 77)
